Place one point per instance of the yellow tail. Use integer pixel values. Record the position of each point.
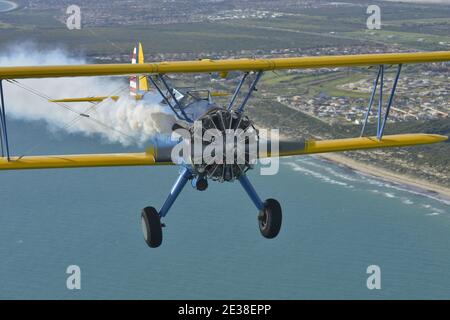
(138, 83)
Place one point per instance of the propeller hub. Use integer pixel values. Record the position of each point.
(224, 145)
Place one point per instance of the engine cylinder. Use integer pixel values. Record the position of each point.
(224, 145)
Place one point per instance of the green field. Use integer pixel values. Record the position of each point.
(304, 29)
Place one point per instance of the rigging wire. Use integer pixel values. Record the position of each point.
(40, 94)
(77, 118)
(1, 140)
(84, 114)
(96, 105)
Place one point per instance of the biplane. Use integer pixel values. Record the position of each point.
(190, 107)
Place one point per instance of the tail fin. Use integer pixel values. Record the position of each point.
(138, 83)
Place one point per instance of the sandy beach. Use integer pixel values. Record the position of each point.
(387, 175)
(382, 174)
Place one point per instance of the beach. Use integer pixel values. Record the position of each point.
(382, 173)
(387, 175)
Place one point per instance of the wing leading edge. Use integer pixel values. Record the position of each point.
(80, 161)
(206, 65)
(293, 148)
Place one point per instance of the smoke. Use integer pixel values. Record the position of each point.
(125, 121)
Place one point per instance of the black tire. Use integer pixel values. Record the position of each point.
(151, 227)
(270, 218)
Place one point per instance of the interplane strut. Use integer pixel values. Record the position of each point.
(4, 131)
(381, 118)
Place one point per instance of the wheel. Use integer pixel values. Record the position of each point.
(270, 219)
(151, 227)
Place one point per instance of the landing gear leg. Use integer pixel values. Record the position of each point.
(151, 219)
(270, 215)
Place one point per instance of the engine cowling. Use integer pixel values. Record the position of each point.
(223, 144)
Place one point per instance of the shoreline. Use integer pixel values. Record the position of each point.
(412, 183)
(387, 175)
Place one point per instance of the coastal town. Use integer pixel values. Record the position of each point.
(168, 12)
(342, 94)
(427, 98)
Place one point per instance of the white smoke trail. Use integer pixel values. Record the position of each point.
(124, 121)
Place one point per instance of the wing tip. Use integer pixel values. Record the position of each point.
(442, 138)
(435, 137)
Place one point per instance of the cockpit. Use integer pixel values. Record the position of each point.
(194, 103)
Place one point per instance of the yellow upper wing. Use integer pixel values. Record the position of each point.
(221, 65)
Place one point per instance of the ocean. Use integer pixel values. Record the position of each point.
(336, 223)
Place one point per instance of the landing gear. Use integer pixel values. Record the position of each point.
(151, 227)
(269, 211)
(151, 219)
(270, 219)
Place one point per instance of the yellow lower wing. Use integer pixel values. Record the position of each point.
(151, 157)
(79, 161)
(292, 148)
(400, 140)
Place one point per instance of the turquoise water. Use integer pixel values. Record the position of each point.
(336, 223)
(7, 6)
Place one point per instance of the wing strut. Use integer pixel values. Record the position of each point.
(4, 131)
(174, 98)
(166, 100)
(381, 119)
(236, 92)
(249, 93)
(252, 88)
(164, 97)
